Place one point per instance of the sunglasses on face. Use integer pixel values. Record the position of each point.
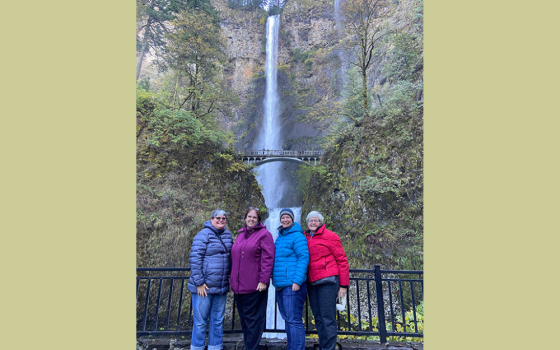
(220, 218)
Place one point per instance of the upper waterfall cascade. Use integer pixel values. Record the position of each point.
(269, 137)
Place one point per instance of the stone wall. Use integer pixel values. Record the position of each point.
(236, 343)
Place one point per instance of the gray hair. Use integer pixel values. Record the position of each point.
(315, 214)
(218, 212)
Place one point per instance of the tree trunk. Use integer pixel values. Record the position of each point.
(144, 48)
(364, 92)
(195, 89)
(419, 95)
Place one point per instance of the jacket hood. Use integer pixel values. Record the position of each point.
(208, 224)
(295, 228)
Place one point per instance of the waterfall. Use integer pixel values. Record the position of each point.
(269, 175)
(337, 13)
(342, 55)
(269, 137)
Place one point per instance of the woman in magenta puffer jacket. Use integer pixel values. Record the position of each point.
(252, 261)
(328, 277)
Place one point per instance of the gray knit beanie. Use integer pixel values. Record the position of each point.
(287, 211)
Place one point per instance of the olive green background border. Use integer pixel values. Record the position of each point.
(68, 174)
(491, 174)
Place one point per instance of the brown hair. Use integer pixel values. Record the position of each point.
(256, 211)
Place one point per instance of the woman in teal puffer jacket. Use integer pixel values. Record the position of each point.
(289, 275)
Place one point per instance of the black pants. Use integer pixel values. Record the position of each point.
(252, 312)
(322, 299)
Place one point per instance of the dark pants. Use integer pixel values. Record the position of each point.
(290, 305)
(252, 312)
(322, 299)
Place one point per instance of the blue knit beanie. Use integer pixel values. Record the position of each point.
(287, 211)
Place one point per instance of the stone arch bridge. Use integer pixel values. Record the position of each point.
(259, 157)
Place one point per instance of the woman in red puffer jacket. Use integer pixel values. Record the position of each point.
(328, 277)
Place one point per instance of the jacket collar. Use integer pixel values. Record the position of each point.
(295, 227)
(208, 224)
(249, 231)
(320, 230)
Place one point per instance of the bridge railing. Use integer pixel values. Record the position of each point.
(283, 153)
(384, 304)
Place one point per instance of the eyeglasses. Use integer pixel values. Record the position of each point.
(314, 220)
(220, 218)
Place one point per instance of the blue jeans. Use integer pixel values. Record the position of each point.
(290, 304)
(208, 313)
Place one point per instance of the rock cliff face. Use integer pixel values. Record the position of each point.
(309, 74)
(308, 67)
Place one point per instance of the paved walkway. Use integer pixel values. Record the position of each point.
(235, 342)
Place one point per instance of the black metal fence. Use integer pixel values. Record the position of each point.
(387, 304)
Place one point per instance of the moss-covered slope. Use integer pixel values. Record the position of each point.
(183, 173)
(370, 186)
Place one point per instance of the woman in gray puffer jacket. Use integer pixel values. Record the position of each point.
(209, 281)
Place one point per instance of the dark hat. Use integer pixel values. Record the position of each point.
(287, 211)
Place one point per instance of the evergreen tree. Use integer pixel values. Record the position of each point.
(154, 17)
(194, 57)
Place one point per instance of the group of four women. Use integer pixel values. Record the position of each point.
(300, 263)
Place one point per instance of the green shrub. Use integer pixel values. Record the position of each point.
(144, 84)
(180, 127)
(308, 63)
(406, 327)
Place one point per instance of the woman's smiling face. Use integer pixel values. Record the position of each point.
(286, 220)
(313, 224)
(251, 219)
(219, 222)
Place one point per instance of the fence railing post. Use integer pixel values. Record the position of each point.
(381, 325)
